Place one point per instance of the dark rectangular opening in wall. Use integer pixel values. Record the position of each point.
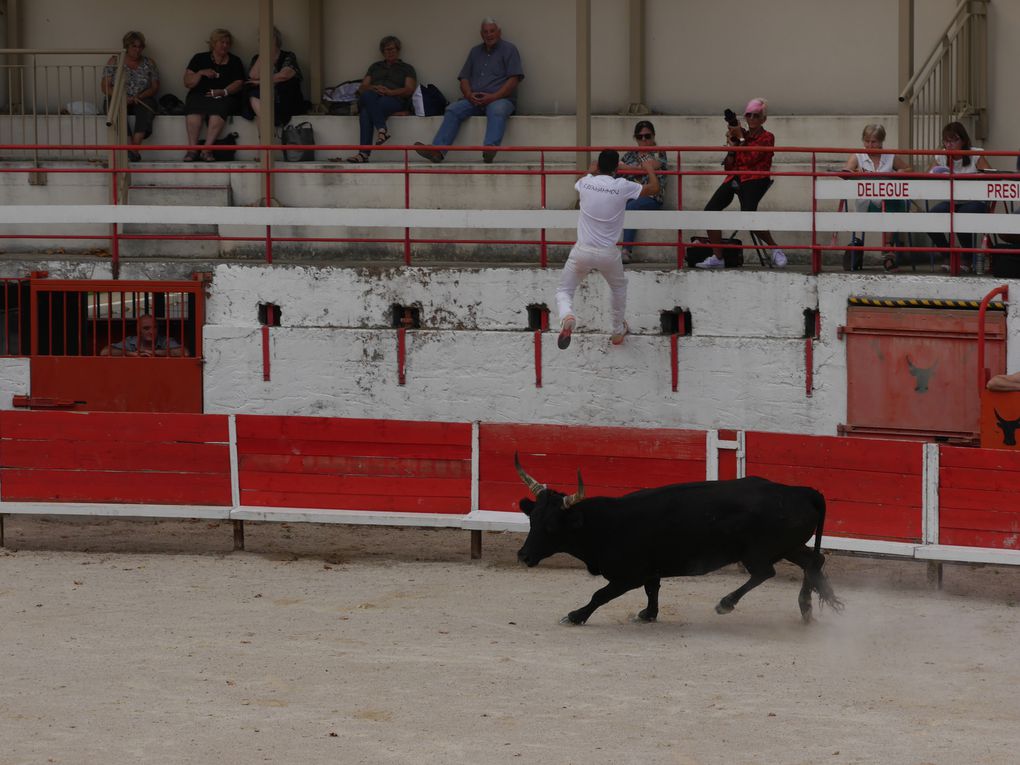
(406, 316)
(676, 321)
(269, 314)
(538, 316)
(810, 322)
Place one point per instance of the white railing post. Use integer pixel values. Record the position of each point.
(930, 495)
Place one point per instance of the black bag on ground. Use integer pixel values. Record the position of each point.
(171, 104)
(1005, 265)
(853, 260)
(225, 155)
(299, 135)
(700, 250)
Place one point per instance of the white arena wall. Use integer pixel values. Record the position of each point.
(743, 367)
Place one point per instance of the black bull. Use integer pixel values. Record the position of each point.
(680, 530)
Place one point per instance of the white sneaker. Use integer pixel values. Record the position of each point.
(711, 262)
(778, 258)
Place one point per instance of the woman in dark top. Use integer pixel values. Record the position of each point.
(288, 100)
(214, 81)
(386, 89)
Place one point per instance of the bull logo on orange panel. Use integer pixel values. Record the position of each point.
(921, 375)
(1008, 428)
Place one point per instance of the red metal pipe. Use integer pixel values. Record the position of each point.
(538, 358)
(674, 359)
(401, 356)
(982, 372)
(265, 342)
(816, 255)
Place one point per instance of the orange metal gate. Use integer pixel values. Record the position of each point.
(911, 371)
(115, 346)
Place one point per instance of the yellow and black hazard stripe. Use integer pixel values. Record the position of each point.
(944, 303)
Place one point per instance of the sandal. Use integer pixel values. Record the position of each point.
(359, 158)
(889, 263)
(382, 136)
(191, 156)
(207, 156)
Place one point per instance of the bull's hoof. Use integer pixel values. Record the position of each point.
(805, 616)
(723, 607)
(643, 617)
(572, 619)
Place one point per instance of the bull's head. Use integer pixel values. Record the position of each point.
(1008, 428)
(553, 515)
(921, 375)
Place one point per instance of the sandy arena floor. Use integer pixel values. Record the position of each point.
(151, 642)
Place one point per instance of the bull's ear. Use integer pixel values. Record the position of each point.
(527, 505)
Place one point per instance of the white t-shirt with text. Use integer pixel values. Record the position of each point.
(603, 204)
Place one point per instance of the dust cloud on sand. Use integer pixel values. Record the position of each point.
(153, 642)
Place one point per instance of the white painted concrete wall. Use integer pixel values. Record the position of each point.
(742, 368)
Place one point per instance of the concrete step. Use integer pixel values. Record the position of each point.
(171, 195)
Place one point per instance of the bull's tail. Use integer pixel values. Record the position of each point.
(816, 579)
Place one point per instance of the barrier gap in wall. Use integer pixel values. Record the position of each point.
(675, 321)
(269, 314)
(538, 317)
(406, 316)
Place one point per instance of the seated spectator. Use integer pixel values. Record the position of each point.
(288, 99)
(488, 82)
(387, 88)
(872, 160)
(1004, 382)
(644, 134)
(956, 138)
(214, 81)
(148, 342)
(748, 188)
(140, 88)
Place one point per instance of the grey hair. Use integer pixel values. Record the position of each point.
(277, 37)
(489, 20)
(873, 130)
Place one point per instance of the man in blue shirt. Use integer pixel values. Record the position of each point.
(148, 342)
(488, 82)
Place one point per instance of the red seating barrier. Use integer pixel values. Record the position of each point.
(978, 497)
(613, 461)
(114, 458)
(873, 488)
(350, 464)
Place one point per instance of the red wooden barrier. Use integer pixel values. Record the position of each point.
(132, 458)
(978, 498)
(351, 464)
(873, 488)
(613, 461)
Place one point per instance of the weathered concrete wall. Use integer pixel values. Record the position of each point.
(14, 380)
(743, 367)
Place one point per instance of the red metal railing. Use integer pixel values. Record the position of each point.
(686, 164)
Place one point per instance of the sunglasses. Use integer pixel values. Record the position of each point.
(756, 115)
(644, 136)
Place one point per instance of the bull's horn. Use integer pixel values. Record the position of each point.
(533, 486)
(577, 496)
(1002, 420)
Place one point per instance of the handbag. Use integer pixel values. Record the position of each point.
(299, 135)
(225, 155)
(853, 260)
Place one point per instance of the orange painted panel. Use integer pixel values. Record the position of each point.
(356, 464)
(120, 384)
(612, 461)
(912, 370)
(1000, 420)
(872, 488)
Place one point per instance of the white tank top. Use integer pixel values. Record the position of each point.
(885, 163)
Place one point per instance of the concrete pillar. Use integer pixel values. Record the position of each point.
(266, 99)
(906, 71)
(315, 51)
(636, 65)
(583, 37)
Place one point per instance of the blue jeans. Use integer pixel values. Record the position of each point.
(941, 241)
(641, 203)
(496, 113)
(373, 111)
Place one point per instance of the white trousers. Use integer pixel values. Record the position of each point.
(608, 262)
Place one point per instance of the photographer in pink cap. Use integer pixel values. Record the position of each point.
(748, 178)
